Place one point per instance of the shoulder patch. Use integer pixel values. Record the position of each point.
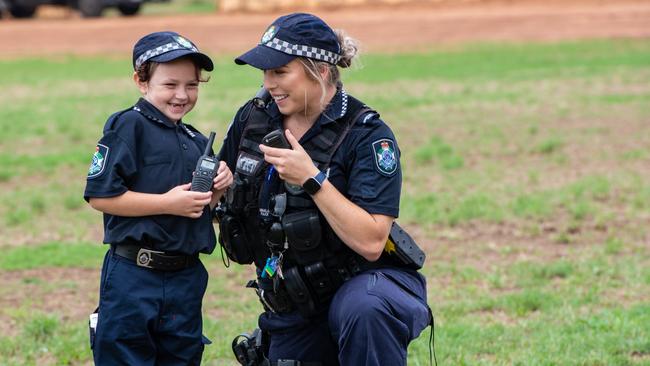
(99, 161)
(385, 159)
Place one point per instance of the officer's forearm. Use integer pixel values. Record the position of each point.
(130, 204)
(364, 233)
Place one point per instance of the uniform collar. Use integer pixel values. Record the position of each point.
(336, 109)
(152, 113)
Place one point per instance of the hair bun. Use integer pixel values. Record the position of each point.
(349, 48)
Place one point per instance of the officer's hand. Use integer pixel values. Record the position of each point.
(223, 179)
(293, 165)
(180, 201)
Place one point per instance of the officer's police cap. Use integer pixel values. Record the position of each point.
(165, 47)
(291, 36)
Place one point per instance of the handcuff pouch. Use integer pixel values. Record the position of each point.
(320, 280)
(299, 292)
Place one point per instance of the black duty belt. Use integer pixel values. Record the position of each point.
(280, 300)
(154, 259)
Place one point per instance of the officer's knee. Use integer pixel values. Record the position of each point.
(359, 313)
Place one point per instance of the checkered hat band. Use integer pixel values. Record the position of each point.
(171, 46)
(304, 51)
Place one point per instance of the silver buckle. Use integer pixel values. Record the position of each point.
(143, 259)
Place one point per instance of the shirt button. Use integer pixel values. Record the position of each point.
(184, 146)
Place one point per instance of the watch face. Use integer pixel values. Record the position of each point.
(311, 185)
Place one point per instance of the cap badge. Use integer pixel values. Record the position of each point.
(269, 34)
(184, 42)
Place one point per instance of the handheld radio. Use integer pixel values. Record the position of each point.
(277, 139)
(206, 169)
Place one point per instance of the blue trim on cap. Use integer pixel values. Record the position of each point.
(277, 53)
(303, 51)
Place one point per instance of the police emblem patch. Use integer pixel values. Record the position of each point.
(385, 159)
(268, 35)
(99, 161)
(184, 42)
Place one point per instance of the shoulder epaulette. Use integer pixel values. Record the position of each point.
(110, 122)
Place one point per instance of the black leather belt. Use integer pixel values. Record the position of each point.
(154, 259)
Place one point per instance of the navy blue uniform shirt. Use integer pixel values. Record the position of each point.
(143, 151)
(365, 168)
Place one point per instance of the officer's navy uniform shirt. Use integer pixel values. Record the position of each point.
(145, 152)
(353, 169)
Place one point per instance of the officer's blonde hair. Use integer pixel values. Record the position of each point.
(349, 49)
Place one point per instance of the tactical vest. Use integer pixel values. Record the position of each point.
(265, 216)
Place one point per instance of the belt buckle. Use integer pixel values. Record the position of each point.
(143, 259)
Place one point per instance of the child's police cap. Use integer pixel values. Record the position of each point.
(165, 47)
(291, 36)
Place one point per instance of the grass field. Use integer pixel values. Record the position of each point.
(526, 180)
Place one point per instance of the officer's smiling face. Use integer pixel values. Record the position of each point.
(293, 90)
(173, 88)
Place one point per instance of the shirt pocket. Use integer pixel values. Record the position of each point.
(158, 174)
(156, 159)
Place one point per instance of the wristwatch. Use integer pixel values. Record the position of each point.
(313, 184)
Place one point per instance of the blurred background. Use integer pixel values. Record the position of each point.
(96, 8)
(524, 128)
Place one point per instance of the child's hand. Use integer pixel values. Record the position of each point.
(180, 201)
(224, 178)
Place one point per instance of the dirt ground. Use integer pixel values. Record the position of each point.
(412, 27)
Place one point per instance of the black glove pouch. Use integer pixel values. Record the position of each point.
(303, 232)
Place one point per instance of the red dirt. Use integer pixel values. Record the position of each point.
(412, 27)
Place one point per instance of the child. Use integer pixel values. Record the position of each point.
(152, 281)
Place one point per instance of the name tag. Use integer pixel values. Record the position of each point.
(248, 164)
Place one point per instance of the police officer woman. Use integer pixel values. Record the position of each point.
(314, 212)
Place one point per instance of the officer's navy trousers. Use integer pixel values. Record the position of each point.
(149, 317)
(371, 320)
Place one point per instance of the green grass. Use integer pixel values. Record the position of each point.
(78, 255)
(181, 7)
(525, 179)
(440, 152)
